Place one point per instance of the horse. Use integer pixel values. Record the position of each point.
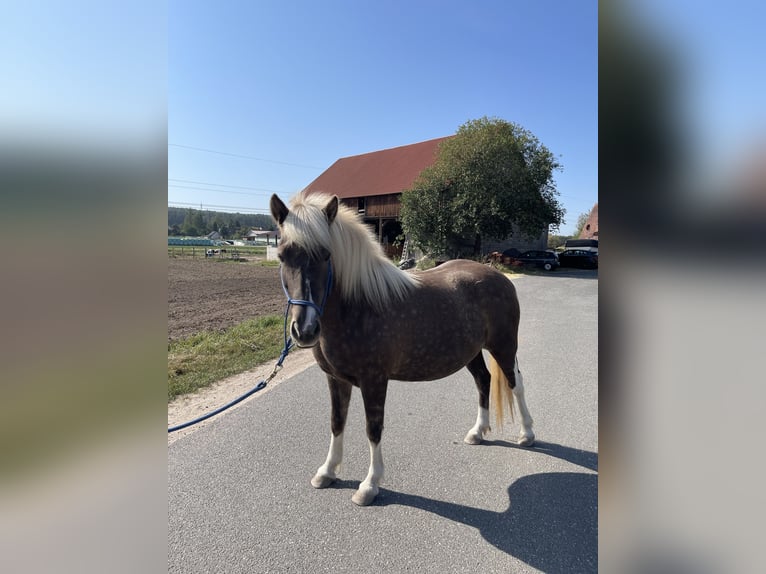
(367, 322)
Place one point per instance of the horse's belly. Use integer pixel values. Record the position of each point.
(427, 351)
(432, 365)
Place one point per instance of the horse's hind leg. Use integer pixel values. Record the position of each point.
(340, 396)
(478, 368)
(527, 436)
(510, 366)
(374, 396)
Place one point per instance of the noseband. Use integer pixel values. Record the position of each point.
(302, 302)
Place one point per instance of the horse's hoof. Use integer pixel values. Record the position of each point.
(365, 495)
(473, 438)
(322, 481)
(527, 439)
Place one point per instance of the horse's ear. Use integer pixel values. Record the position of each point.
(279, 210)
(331, 209)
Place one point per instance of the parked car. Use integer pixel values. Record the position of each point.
(506, 257)
(578, 258)
(582, 244)
(511, 252)
(543, 259)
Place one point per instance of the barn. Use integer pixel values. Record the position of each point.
(372, 184)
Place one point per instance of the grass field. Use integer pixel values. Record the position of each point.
(204, 358)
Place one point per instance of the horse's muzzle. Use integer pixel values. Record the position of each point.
(306, 335)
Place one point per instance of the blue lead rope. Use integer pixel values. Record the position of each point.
(283, 355)
(260, 386)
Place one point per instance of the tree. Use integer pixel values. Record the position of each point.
(188, 227)
(489, 180)
(582, 219)
(555, 241)
(198, 221)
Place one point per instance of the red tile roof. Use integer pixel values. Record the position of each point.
(377, 173)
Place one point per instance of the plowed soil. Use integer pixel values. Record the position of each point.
(213, 294)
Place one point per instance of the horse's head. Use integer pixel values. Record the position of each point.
(306, 270)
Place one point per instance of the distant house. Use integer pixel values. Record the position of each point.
(372, 185)
(214, 235)
(260, 234)
(590, 229)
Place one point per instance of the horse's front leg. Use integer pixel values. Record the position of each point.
(374, 396)
(340, 396)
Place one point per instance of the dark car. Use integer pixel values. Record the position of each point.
(543, 259)
(578, 258)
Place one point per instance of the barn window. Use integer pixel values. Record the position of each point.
(361, 204)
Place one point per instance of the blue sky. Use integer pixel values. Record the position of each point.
(296, 85)
(717, 52)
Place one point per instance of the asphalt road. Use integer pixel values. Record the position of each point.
(239, 498)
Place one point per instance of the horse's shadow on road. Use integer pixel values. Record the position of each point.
(551, 522)
(576, 456)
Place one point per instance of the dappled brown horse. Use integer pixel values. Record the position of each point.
(368, 321)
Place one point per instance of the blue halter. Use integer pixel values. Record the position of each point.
(302, 302)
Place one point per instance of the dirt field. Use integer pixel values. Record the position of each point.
(207, 294)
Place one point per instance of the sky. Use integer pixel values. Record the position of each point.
(715, 51)
(264, 96)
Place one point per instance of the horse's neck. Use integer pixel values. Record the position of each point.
(340, 316)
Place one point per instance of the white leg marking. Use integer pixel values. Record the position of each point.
(527, 436)
(327, 473)
(368, 490)
(481, 427)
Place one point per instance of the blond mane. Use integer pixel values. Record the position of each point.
(362, 272)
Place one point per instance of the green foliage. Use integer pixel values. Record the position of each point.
(194, 222)
(582, 219)
(556, 241)
(426, 263)
(490, 176)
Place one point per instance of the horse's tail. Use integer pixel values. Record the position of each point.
(499, 391)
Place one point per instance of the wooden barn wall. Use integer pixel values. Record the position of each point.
(383, 206)
(377, 206)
